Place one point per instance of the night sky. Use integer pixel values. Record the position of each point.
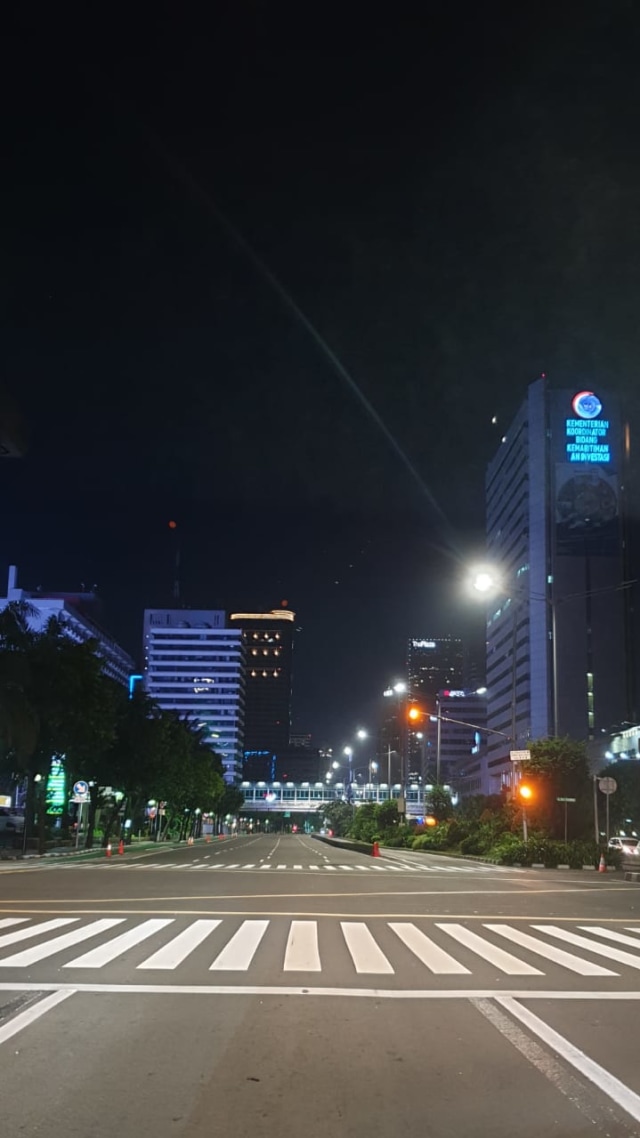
(452, 202)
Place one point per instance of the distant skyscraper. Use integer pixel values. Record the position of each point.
(432, 666)
(558, 660)
(193, 665)
(268, 639)
(79, 613)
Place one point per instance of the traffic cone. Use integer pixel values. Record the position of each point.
(602, 868)
(376, 850)
(121, 846)
(108, 849)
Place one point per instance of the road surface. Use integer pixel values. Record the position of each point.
(273, 985)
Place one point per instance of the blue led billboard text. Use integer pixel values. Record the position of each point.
(587, 440)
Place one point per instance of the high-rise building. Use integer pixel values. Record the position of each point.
(455, 739)
(268, 639)
(432, 666)
(193, 665)
(558, 660)
(79, 613)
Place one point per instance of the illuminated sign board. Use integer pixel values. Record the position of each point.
(56, 788)
(423, 643)
(587, 436)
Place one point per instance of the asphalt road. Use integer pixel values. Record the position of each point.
(270, 985)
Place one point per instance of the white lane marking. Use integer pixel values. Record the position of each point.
(261, 867)
(332, 867)
(548, 1065)
(252, 865)
(30, 1015)
(366, 956)
(173, 953)
(7, 921)
(349, 868)
(362, 868)
(616, 1090)
(489, 952)
(297, 867)
(235, 866)
(35, 930)
(59, 943)
(281, 867)
(435, 958)
(237, 955)
(311, 867)
(302, 954)
(279, 990)
(218, 866)
(611, 934)
(607, 950)
(550, 952)
(105, 953)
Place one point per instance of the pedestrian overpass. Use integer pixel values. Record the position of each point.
(310, 797)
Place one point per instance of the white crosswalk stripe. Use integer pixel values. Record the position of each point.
(31, 956)
(427, 951)
(505, 961)
(237, 955)
(374, 867)
(301, 954)
(182, 945)
(105, 953)
(305, 945)
(366, 955)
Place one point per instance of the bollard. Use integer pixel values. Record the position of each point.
(108, 850)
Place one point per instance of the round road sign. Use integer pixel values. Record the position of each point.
(608, 785)
(80, 787)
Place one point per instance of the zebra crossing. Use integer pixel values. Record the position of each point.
(202, 866)
(347, 948)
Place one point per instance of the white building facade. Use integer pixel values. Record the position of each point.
(194, 665)
(117, 664)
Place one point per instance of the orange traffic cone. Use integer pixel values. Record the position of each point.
(376, 850)
(602, 868)
(121, 846)
(108, 849)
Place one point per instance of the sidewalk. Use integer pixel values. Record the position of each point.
(99, 851)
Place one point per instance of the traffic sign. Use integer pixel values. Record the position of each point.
(565, 799)
(608, 785)
(520, 756)
(81, 788)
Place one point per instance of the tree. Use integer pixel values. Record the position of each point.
(339, 815)
(229, 802)
(558, 768)
(438, 803)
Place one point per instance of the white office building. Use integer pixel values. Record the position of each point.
(193, 665)
(73, 610)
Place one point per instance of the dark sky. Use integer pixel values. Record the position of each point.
(454, 203)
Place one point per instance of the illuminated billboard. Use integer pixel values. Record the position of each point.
(585, 429)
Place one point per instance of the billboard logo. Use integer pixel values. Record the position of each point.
(586, 405)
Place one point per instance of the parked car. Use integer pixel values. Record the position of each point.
(11, 820)
(629, 847)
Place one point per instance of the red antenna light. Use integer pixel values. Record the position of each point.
(173, 525)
